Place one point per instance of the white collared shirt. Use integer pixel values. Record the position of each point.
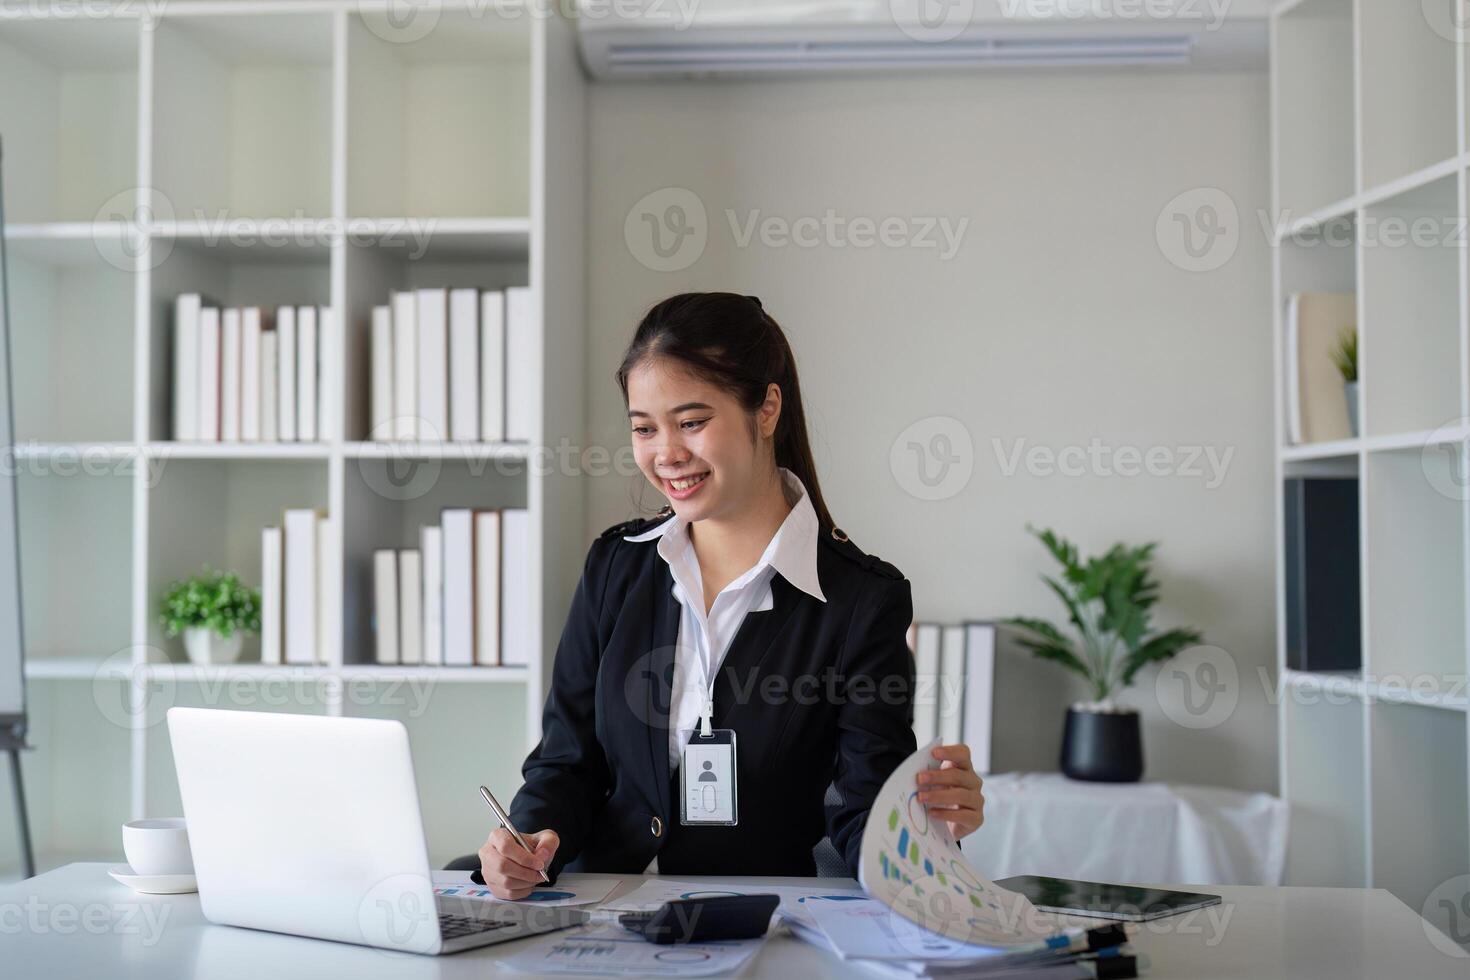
(704, 639)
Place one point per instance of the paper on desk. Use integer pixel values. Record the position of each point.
(871, 930)
(912, 864)
(569, 890)
(604, 949)
(655, 892)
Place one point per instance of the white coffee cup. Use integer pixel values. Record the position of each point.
(159, 846)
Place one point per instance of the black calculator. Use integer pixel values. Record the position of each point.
(693, 920)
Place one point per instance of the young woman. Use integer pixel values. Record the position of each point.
(739, 609)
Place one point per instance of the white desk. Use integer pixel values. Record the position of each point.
(77, 922)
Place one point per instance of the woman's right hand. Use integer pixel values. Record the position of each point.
(509, 870)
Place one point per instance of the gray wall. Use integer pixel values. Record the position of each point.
(1059, 320)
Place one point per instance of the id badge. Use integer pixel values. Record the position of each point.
(707, 780)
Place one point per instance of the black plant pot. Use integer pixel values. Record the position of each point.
(1102, 747)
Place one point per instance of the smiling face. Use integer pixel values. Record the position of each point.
(696, 443)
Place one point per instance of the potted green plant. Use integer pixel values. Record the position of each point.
(214, 611)
(1345, 356)
(1108, 599)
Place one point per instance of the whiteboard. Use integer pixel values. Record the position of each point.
(12, 647)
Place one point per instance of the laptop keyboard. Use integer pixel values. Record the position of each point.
(457, 926)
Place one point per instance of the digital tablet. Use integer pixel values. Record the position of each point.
(1128, 903)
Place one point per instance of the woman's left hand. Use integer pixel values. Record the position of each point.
(952, 792)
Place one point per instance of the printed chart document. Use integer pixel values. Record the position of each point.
(609, 950)
(570, 889)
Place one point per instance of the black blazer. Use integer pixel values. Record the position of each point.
(817, 693)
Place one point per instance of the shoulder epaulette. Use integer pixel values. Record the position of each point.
(836, 539)
(636, 526)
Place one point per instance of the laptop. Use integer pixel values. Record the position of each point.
(311, 826)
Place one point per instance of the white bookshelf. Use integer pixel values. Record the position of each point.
(298, 152)
(1368, 115)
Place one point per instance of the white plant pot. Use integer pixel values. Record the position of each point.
(205, 646)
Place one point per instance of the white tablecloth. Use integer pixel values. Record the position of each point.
(1128, 833)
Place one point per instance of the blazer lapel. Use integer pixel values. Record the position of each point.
(663, 634)
(755, 639)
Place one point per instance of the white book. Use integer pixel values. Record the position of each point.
(209, 351)
(250, 374)
(521, 382)
(329, 593)
(286, 374)
(270, 374)
(410, 607)
(328, 346)
(380, 421)
(431, 548)
(270, 595)
(405, 366)
(926, 682)
(301, 586)
(492, 366)
(385, 606)
(459, 587)
(979, 692)
(306, 374)
(186, 367)
(230, 370)
(515, 587)
(464, 365)
(951, 687)
(487, 587)
(433, 364)
(1293, 374)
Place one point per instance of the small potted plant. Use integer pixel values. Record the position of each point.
(214, 611)
(1345, 356)
(1108, 599)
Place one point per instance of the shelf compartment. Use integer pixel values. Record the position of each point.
(1410, 365)
(439, 717)
(1408, 91)
(439, 125)
(388, 501)
(69, 112)
(1420, 835)
(416, 256)
(76, 546)
(1416, 578)
(229, 271)
(72, 312)
(211, 512)
(242, 111)
(1312, 58)
(1322, 732)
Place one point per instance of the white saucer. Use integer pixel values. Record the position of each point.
(153, 884)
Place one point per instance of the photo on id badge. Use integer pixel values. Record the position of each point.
(707, 779)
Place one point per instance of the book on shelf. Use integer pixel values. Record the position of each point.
(431, 546)
(270, 382)
(926, 677)
(515, 587)
(209, 349)
(270, 595)
(328, 351)
(459, 586)
(1323, 593)
(251, 352)
(301, 586)
(380, 419)
(329, 587)
(385, 605)
(405, 366)
(487, 587)
(306, 378)
(954, 675)
(286, 374)
(464, 365)
(433, 364)
(977, 708)
(1317, 409)
(229, 373)
(410, 607)
(950, 690)
(492, 365)
(521, 379)
(187, 307)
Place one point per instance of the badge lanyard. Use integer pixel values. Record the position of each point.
(708, 797)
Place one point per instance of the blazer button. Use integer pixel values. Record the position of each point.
(656, 827)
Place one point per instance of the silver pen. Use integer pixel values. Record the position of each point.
(504, 819)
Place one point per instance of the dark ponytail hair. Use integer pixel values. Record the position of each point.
(730, 341)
